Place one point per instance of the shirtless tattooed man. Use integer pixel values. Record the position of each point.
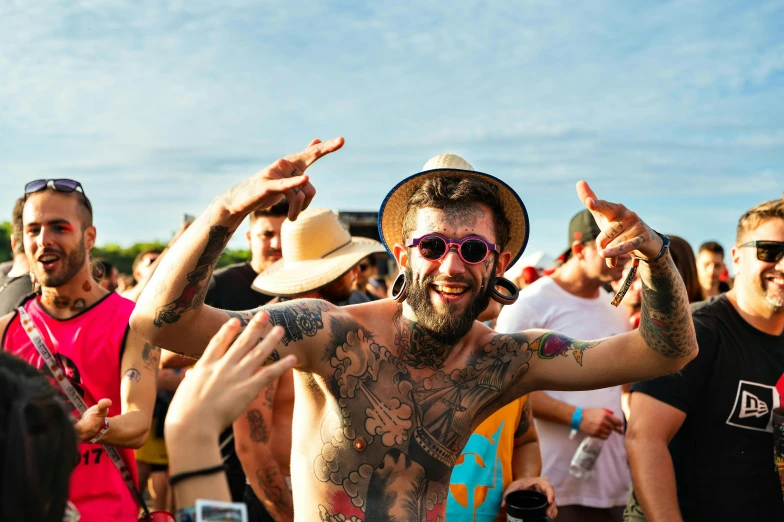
(388, 392)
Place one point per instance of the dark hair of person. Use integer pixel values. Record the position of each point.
(37, 445)
(457, 193)
(713, 247)
(279, 209)
(17, 229)
(683, 257)
(140, 256)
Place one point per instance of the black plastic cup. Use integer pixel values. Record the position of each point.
(526, 505)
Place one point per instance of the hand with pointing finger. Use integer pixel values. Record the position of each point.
(623, 232)
(285, 177)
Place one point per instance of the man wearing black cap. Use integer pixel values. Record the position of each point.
(573, 301)
(388, 392)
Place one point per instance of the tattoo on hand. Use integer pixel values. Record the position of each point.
(198, 280)
(614, 231)
(258, 428)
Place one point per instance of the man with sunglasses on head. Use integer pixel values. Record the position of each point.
(389, 392)
(86, 329)
(700, 441)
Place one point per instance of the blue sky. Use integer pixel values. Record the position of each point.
(673, 108)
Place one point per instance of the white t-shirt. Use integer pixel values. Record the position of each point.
(544, 304)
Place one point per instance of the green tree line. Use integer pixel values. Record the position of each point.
(121, 257)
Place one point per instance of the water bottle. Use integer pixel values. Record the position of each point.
(585, 457)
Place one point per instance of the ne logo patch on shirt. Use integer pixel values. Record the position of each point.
(754, 403)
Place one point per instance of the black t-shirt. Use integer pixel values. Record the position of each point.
(230, 289)
(723, 453)
(14, 291)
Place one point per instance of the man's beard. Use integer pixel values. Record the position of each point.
(70, 265)
(450, 326)
(775, 302)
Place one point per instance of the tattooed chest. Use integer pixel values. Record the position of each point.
(393, 436)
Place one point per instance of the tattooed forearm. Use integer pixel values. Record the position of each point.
(665, 319)
(553, 344)
(258, 428)
(198, 280)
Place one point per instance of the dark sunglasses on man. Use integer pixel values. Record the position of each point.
(58, 185)
(767, 251)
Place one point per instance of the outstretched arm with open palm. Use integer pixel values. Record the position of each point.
(665, 341)
(170, 312)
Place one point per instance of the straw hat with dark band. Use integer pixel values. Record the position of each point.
(395, 205)
(317, 249)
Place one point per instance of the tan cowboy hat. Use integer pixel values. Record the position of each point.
(395, 205)
(317, 249)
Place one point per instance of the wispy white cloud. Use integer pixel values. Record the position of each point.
(158, 107)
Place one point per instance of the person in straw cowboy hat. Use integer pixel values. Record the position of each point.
(388, 392)
(319, 261)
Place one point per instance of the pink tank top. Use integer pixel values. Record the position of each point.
(89, 347)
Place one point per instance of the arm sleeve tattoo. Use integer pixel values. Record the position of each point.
(198, 280)
(665, 319)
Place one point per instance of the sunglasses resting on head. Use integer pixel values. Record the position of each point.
(58, 185)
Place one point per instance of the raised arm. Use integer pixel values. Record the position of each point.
(170, 312)
(665, 340)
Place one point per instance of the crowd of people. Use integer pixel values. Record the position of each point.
(430, 395)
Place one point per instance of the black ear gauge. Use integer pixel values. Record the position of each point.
(504, 298)
(400, 288)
